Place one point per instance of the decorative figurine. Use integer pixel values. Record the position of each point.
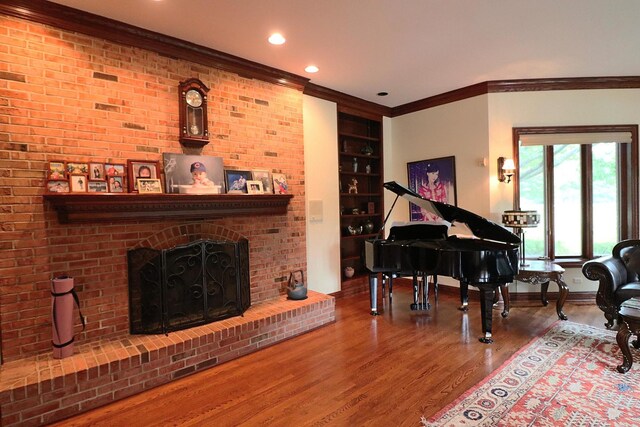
(355, 164)
(353, 186)
(367, 168)
(296, 289)
(349, 272)
(367, 150)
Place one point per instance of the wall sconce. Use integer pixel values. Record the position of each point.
(506, 168)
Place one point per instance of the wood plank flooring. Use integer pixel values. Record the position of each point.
(364, 370)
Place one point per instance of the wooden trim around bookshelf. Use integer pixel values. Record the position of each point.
(84, 208)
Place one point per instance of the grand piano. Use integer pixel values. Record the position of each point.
(484, 254)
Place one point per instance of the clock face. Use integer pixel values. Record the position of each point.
(193, 98)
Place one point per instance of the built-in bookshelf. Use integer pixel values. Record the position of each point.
(361, 198)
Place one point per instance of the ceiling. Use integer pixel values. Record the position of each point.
(412, 49)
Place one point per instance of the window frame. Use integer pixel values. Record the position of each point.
(628, 200)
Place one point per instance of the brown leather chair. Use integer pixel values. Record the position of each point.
(618, 275)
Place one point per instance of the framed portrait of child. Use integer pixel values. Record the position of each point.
(193, 174)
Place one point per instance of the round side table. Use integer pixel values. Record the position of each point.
(630, 325)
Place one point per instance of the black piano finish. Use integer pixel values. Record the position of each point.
(486, 261)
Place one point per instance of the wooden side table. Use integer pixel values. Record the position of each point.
(630, 315)
(540, 273)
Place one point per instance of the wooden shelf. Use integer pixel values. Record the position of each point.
(97, 207)
(360, 155)
(359, 194)
(359, 145)
(356, 136)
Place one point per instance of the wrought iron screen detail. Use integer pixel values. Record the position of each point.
(188, 285)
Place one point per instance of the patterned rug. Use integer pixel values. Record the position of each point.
(567, 377)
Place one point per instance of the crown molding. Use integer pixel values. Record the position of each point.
(66, 18)
(70, 19)
(521, 85)
(347, 103)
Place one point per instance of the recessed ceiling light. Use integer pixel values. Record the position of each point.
(277, 38)
(312, 69)
(383, 93)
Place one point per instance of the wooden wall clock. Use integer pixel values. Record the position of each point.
(194, 126)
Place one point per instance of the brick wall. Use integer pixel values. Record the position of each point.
(68, 96)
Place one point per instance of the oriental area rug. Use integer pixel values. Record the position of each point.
(567, 377)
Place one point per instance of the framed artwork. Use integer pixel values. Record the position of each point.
(113, 169)
(236, 181)
(74, 168)
(254, 187)
(78, 183)
(57, 170)
(146, 169)
(96, 171)
(97, 187)
(265, 177)
(115, 184)
(57, 186)
(185, 173)
(433, 179)
(280, 185)
(149, 185)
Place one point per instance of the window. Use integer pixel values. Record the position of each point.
(584, 183)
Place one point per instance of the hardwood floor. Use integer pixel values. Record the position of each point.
(361, 371)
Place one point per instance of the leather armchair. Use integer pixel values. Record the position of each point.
(619, 277)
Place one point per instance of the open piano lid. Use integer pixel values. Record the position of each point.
(479, 226)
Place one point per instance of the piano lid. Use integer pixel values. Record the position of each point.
(479, 226)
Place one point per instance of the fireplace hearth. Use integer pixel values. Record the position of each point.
(188, 285)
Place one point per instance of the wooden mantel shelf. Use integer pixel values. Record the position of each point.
(94, 207)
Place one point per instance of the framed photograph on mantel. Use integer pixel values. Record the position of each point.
(433, 179)
(141, 169)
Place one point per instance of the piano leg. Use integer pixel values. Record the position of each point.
(425, 292)
(373, 293)
(504, 289)
(464, 296)
(435, 287)
(384, 284)
(486, 305)
(416, 292)
(391, 277)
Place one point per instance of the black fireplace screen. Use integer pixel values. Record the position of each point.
(188, 285)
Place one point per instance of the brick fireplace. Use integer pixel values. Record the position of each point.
(68, 96)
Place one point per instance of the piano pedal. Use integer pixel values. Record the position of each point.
(420, 307)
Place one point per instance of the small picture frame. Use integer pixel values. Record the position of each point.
(78, 183)
(280, 185)
(57, 186)
(113, 169)
(254, 187)
(75, 168)
(149, 186)
(145, 169)
(97, 187)
(57, 170)
(96, 171)
(236, 181)
(115, 184)
(265, 177)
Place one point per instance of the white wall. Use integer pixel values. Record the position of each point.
(321, 186)
(552, 108)
(457, 129)
(471, 130)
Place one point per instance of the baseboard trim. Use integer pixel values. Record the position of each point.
(514, 296)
